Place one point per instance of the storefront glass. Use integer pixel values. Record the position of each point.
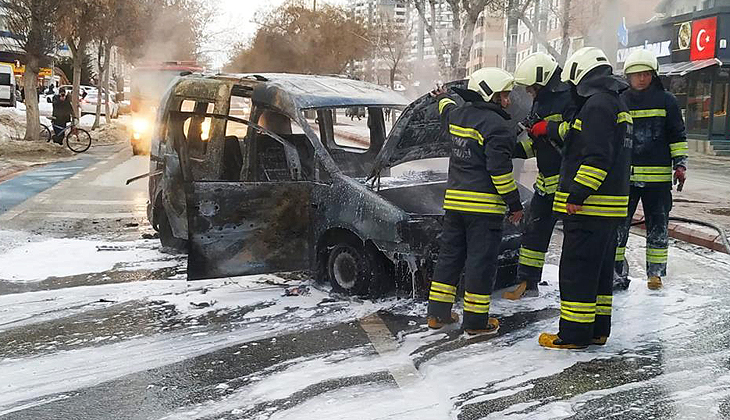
(719, 106)
(698, 102)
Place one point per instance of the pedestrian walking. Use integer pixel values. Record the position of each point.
(659, 148)
(480, 190)
(540, 74)
(592, 198)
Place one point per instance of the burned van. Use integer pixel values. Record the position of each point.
(269, 173)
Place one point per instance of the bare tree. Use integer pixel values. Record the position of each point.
(327, 41)
(118, 25)
(75, 23)
(32, 24)
(452, 52)
(390, 42)
(174, 30)
(530, 13)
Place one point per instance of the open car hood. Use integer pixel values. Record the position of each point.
(418, 133)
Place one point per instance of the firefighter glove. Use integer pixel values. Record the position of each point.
(679, 177)
(539, 129)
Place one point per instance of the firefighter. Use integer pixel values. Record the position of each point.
(592, 197)
(480, 190)
(660, 148)
(540, 74)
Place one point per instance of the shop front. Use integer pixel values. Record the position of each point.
(694, 63)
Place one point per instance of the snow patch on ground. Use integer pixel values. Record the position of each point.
(13, 123)
(37, 261)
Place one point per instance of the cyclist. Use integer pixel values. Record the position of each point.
(63, 112)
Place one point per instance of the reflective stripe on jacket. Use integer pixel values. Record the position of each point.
(480, 166)
(596, 160)
(659, 140)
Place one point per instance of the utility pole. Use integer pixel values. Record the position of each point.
(314, 5)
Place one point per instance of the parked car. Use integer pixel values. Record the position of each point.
(88, 104)
(265, 189)
(8, 86)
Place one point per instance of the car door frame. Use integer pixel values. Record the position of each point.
(244, 227)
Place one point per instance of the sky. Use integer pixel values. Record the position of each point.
(234, 23)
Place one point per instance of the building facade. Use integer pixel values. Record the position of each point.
(590, 23)
(375, 14)
(422, 58)
(488, 48)
(669, 8)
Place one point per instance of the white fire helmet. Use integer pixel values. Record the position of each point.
(490, 80)
(641, 60)
(581, 62)
(537, 68)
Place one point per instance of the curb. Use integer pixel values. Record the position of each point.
(683, 232)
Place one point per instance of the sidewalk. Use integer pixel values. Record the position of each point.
(17, 156)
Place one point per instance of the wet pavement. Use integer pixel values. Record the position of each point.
(127, 337)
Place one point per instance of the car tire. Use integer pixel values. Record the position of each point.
(167, 239)
(351, 270)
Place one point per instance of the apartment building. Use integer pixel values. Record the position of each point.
(373, 13)
(488, 48)
(591, 23)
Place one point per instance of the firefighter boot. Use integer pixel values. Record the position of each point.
(599, 341)
(517, 293)
(521, 290)
(654, 283)
(552, 341)
(491, 328)
(435, 323)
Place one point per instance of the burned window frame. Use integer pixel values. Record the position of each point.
(353, 162)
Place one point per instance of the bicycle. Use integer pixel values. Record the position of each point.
(77, 139)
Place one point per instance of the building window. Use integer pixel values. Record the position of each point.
(698, 102)
(719, 108)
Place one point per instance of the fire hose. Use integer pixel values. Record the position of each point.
(710, 225)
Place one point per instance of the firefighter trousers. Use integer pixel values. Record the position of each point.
(657, 204)
(468, 243)
(586, 280)
(536, 239)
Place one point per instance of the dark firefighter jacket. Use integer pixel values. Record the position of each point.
(480, 166)
(660, 142)
(553, 103)
(597, 152)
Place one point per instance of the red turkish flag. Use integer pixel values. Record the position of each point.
(703, 39)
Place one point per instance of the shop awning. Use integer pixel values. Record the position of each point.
(685, 67)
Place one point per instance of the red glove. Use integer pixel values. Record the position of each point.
(680, 177)
(539, 129)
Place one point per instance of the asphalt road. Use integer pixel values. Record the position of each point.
(97, 322)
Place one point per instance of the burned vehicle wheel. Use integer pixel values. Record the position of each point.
(350, 270)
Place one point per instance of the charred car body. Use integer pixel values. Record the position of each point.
(253, 174)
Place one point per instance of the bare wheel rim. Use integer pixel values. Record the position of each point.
(344, 270)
